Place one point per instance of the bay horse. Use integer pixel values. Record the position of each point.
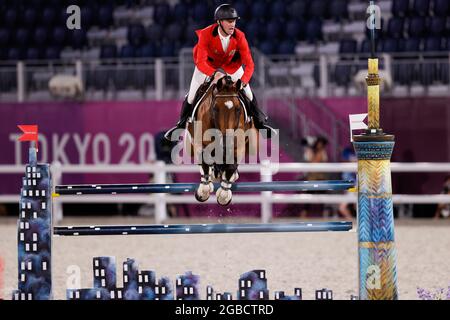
(222, 116)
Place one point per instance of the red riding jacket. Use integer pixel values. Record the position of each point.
(209, 54)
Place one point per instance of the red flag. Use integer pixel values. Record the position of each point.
(30, 133)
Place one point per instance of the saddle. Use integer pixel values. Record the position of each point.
(201, 91)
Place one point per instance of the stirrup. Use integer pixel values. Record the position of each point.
(271, 132)
(168, 134)
(180, 125)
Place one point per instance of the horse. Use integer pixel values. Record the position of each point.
(235, 137)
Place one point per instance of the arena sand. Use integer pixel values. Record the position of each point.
(307, 260)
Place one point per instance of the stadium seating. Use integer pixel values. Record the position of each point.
(175, 21)
(400, 8)
(298, 9)
(409, 45)
(59, 36)
(395, 27)
(436, 25)
(259, 10)
(286, 47)
(295, 29)
(108, 52)
(36, 29)
(339, 10)
(348, 46)
(416, 27)
(314, 30)
(441, 8)
(318, 9)
(278, 9)
(136, 35)
(273, 30)
(127, 51)
(421, 7)
(78, 38)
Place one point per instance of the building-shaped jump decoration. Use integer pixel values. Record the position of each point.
(34, 253)
(105, 272)
(163, 289)
(253, 286)
(104, 269)
(224, 296)
(324, 294)
(34, 233)
(138, 285)
(187, 287)
(209, 293)
(143, 285)
(280, 295)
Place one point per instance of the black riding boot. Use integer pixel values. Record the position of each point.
(186, 110)
(260, 118)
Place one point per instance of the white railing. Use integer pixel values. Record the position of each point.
(265, 199)
(170, 76)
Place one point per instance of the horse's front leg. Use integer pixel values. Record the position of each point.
(206, 187)
(229, 175)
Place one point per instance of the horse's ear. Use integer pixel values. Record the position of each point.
(238, 84)
(220, 84)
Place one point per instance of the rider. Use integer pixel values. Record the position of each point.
(222, 46)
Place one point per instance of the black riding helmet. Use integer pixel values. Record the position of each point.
(225, 12)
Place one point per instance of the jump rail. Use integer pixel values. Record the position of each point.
(161, 169)
(337, 185)
(200, 228)
(36, 223)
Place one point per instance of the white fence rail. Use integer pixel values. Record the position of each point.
(304, 74)
(265, 199)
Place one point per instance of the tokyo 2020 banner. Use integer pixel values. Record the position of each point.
(86, 133)
(96, 133)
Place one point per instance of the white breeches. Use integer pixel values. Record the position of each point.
(199, 77)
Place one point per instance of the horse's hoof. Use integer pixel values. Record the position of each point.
(211, 187)
(224, 197)
(200, 199)
(202, 193)
(223, 204)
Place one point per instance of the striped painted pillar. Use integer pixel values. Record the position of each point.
(377, 256)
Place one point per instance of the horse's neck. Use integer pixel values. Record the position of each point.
(206, 104)
(209, 95)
